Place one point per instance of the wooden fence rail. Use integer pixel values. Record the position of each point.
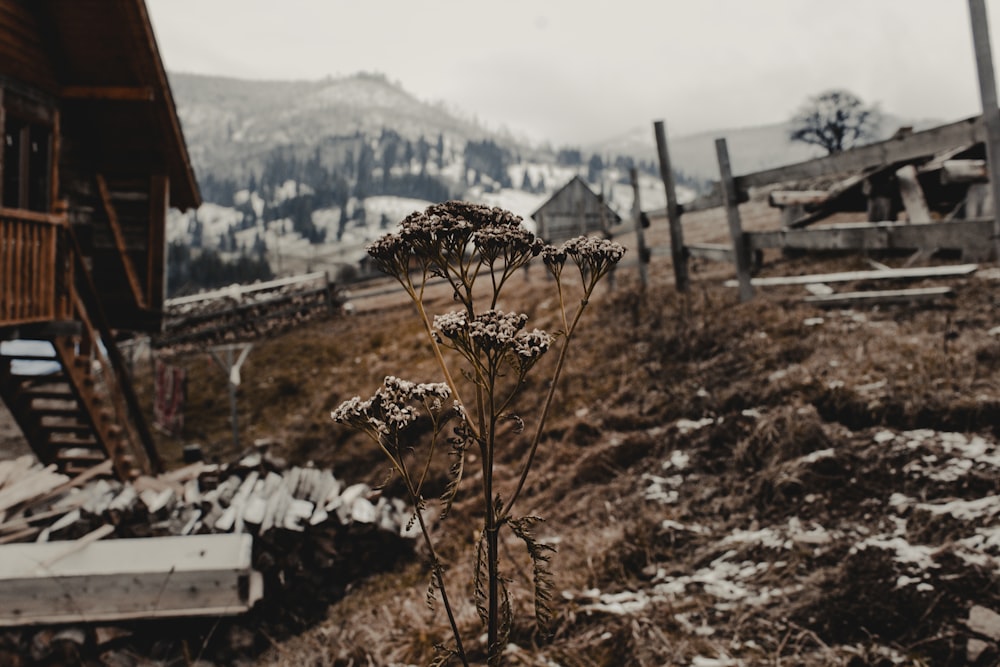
(36, 275)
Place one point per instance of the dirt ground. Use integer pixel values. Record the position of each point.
(726, 484)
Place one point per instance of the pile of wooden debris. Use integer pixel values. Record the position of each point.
(206, 540)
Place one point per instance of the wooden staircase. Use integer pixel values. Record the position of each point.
(67, 415)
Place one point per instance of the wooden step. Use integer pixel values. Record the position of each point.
(79, 429)
(24, 356)
(74, 412)
(80, 454)
(58, 439)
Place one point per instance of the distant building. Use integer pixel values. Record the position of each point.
(574, 210)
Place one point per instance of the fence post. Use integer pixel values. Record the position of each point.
(639, 236)
(740, 255)
(678, 252)
(991, 113)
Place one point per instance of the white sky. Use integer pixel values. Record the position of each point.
(578, 71)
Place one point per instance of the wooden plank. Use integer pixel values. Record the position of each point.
(733, 215)
(640, 237)
(201, 575)
(116, 230)
(912, 273)
(156, 264)
(861, 158)
(966, 235)
(678, 256)
(881, 296)
(111, 93)
(912, 194)
(241, 290)
(991, 113)
(964, 171)
(783, 198)
(715, 252)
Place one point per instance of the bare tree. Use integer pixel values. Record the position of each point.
(836, 120)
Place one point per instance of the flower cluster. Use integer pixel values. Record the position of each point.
(529, 345)
(496, 330)
(514, 245)
(391, 255)
(594, 257)
(495, 334)
(393, 408)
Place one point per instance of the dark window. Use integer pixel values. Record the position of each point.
(27, 158)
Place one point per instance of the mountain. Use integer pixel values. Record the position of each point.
(231, 125)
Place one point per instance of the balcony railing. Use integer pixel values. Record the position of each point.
(36, 269)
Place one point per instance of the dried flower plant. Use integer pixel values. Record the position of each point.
(463, 243)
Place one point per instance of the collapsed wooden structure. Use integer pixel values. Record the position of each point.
(93, 157)
(936, 180)
(206, 539)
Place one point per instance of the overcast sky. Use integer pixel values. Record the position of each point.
(576, 71)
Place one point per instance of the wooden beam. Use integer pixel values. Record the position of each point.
(912, 194)
(116, 231)
(888, 152)
(966, 235)
(964, 171)
(783, 198)
(156, 252)
(733, 215)
(991, 113)
(640, 237)
(881, 274)
(111, 93)
(715, 252)
(677, 255)
(881, 296)
(113, 580)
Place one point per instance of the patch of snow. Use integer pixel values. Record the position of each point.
(966, 510)
(685, 426)
(678, 460)
(918, 555)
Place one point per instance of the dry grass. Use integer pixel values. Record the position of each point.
(772, 389)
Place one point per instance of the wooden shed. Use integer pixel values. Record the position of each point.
(93, 157)
(574, 210)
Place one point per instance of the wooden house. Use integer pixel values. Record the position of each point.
(574, 210)
(93, 156)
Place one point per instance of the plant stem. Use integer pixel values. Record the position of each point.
(435, 561)
(544, 414)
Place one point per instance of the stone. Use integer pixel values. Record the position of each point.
(984, 621)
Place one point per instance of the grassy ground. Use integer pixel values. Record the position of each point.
(726, 484)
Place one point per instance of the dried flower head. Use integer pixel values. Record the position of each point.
(391, 255)
(393, 408)
(594, 256)
(515, 246)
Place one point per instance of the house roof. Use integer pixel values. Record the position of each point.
(575, 182)
(107, 69)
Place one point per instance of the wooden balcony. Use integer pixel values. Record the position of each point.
(36, 269)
